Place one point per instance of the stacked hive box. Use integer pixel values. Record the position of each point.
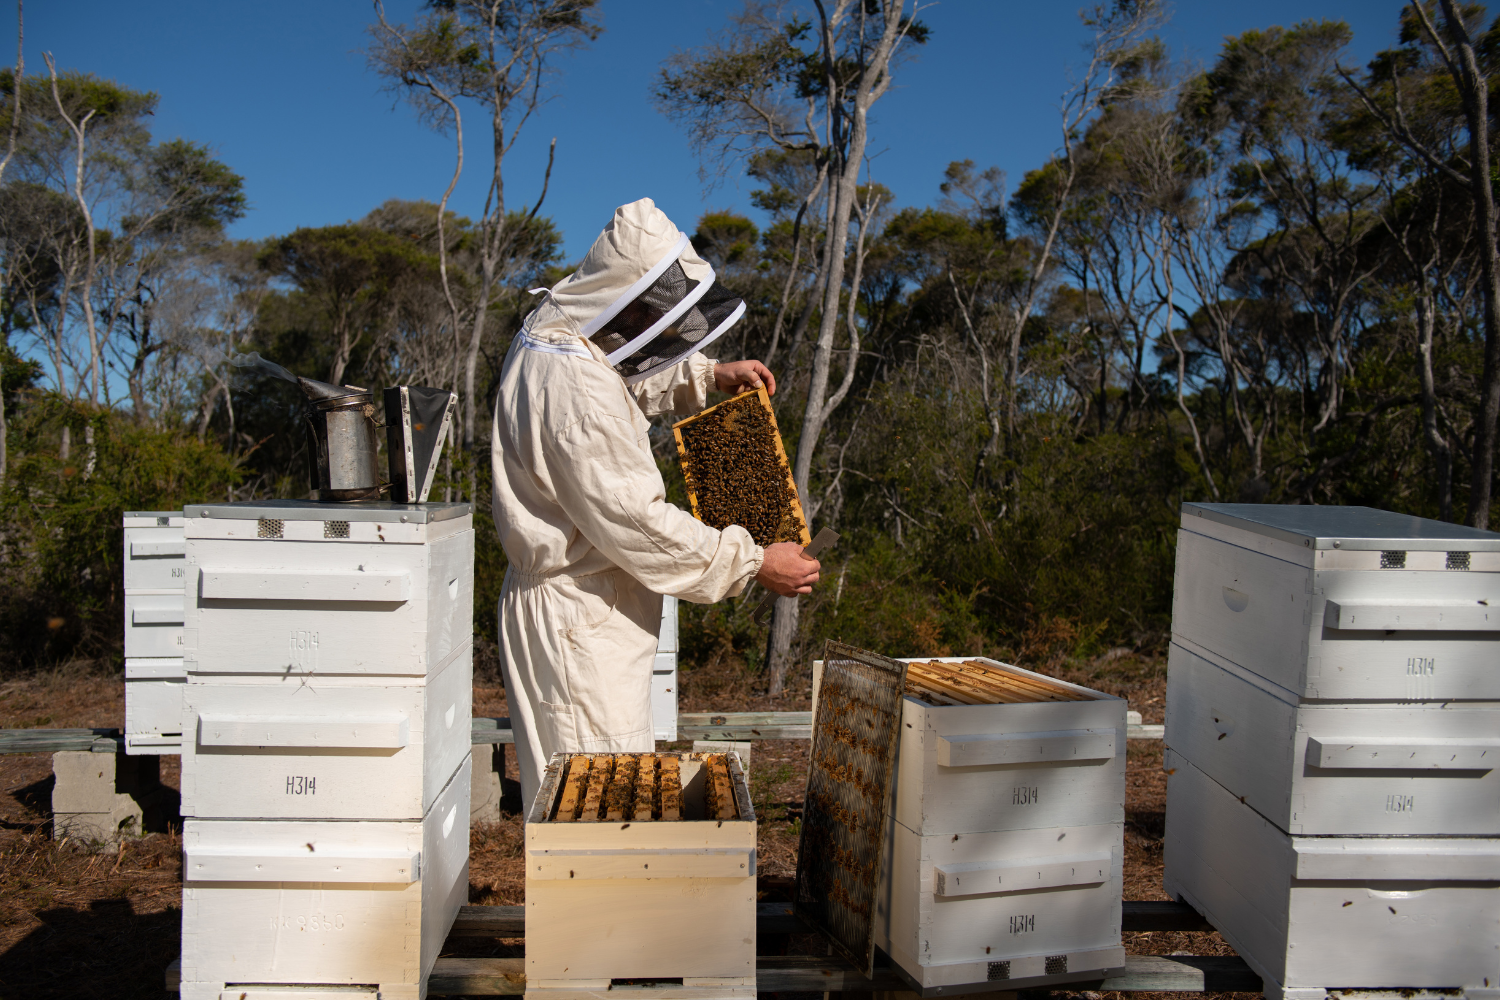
(664, 674)
(154, 560)
(1005, 853)
(641, 867)
(1333, 722)
(325, 769)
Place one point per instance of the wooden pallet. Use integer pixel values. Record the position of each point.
(791, 485)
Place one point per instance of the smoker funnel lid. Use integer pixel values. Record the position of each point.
(321, 392)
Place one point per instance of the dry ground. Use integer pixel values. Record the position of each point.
(76, 923)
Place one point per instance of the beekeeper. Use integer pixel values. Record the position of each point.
(579, 503)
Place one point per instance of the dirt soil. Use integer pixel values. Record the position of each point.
(74, 922)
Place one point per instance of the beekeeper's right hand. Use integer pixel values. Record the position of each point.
(786, 570)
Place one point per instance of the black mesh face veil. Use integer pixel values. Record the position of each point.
(671, 319)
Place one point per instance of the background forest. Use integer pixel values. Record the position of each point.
(1273, 279)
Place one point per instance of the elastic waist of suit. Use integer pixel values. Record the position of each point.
(533, 579)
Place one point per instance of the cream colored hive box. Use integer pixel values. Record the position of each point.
(154, 566)
(155, 553)
(279, 909)
(324, 746)
(641, 867)
(1004, 857)
(1310, 914)
(1342, 602)
(1336, 768)
(291, 587)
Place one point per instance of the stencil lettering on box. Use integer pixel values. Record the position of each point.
(310, 922)
(1023, 923)
(1400, 803)
(303, 647)
(1421, 666)
(1023, 795)
(299, 784)
(177, 572)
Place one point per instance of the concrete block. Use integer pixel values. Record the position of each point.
(725, 746)
(104, 796)
(490, 791)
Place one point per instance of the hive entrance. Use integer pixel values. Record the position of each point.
(644, 787)
(977, 683)
(737, 472)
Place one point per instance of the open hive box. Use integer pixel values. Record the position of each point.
(1004, 854)
(737, 471)
(641, 866)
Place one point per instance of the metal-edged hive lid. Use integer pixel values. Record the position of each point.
(152, 519)
(1349, 528)
(313, 510)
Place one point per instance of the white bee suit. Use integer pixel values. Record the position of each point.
(581, 511)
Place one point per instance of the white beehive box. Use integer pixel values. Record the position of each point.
(154, 559)
(1342, 602)
(664, 674)
(1005, 853)
(616, 899)
(279, 908)
(1028, 908)
(153, 705)
(324, 746)
(1333, 912)
(291, 587)
(1340, 768)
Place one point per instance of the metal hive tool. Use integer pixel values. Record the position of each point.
(852, 765)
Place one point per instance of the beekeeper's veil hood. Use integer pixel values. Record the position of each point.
(643, 296)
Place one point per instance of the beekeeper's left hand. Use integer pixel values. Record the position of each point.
(742, 376)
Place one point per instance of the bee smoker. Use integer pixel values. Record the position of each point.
(341, 441)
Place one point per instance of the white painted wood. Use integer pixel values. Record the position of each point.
(1332, 912)
(978, 749)
(343, 635)
(247, 865)
(153, 705)
(153, 625)
(945, 938)
(664, 696)
(224, 729)
(1272, 617)
(666, 639)
(996, 790)
(700, 862)
(371, 584)
(1441, 616)
(973, 878)
(611, 926)
(331, 932)
(1395, 752)
(153, 552)
(324, 747)
(1254, 739)
(314, 529)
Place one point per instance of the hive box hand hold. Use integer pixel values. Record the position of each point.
(736, 470)
(641, 866)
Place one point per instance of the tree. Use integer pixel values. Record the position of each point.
(742, 96)
(1454, 52)
(497, 53)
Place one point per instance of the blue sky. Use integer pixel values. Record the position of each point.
(280, 91)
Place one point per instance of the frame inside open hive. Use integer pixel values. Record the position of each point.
(737, 471)
(645, 787)
(977, 683)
